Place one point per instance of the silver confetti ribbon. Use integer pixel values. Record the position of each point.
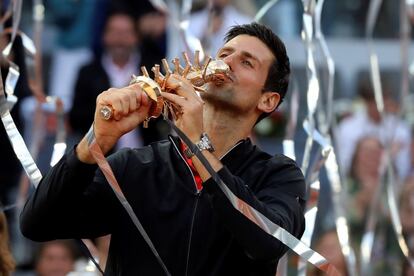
(160, 5)
(59, 146)
(17, 12)
(326, 123)
(15, 9)
(103, 164)
(312, 101)
(289, 143)
(18, 144)
(406, 6)
(338, 199)
(36, 80)
(28, 44)
(395, 216)
(313, 189)
(304, 251)
(19, 147)
(10, 84)
(36, 83)
(264, 9)
(179, 18)
(325, 116)
(313, 83)
(249, 212)
(6, 15)
(289, 150)
(369, 235)
(191, 42)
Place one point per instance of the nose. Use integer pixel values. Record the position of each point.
(229, 60)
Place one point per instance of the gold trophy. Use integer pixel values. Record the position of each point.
(215, 71)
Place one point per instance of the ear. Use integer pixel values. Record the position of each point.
(268, 101)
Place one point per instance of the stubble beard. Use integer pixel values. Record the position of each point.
(222, 97)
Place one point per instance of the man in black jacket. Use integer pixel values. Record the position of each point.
(192, 224)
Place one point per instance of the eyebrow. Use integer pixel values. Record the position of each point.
(244, 53)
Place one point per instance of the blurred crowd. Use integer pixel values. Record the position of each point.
(97, 44)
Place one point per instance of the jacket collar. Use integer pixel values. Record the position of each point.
(234, 157)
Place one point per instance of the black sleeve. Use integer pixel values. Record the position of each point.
(280, 198)
(70, 203)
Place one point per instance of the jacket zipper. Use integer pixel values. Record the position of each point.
(198, 193)
(191, 233)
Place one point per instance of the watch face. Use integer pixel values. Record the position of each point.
(205, 143)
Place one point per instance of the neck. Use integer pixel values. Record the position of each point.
(225, 129)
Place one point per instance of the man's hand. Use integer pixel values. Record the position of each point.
(130, 106)
(189, 105)
(190, 119)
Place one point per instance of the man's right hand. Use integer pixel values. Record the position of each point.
(130, 106)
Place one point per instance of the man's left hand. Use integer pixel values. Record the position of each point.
(189, 106)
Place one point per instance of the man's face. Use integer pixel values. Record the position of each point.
(56, 260)
(368, 158)
(120, 38)
(249, 60)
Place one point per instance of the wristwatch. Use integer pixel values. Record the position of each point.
(203, 144)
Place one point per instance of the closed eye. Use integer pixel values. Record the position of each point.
(248, 63)
(222, 55)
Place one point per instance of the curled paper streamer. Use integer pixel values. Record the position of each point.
(190, 41)
(288, 143)
(179, 21)
(320, 40)
(264, 9)
(160, 5)
(325, 116)
(10, 84)
(19, 147)
(17, 12)
(103, 164)
(259, 219)
(313, 190)
(313, 83)
(369, 235)
(59, 146)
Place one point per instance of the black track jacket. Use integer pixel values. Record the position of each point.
(195, 233)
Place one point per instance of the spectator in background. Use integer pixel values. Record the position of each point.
(365, 176)
(211, 24)
(328, 246)
(6, 259)
(120, 59)
(390, 130)
(151, 25)
(56, 258)
(152, 31)
(364, 180)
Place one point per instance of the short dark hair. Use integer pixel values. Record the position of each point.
(279, 71)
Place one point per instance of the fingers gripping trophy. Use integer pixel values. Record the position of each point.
(197, 75)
